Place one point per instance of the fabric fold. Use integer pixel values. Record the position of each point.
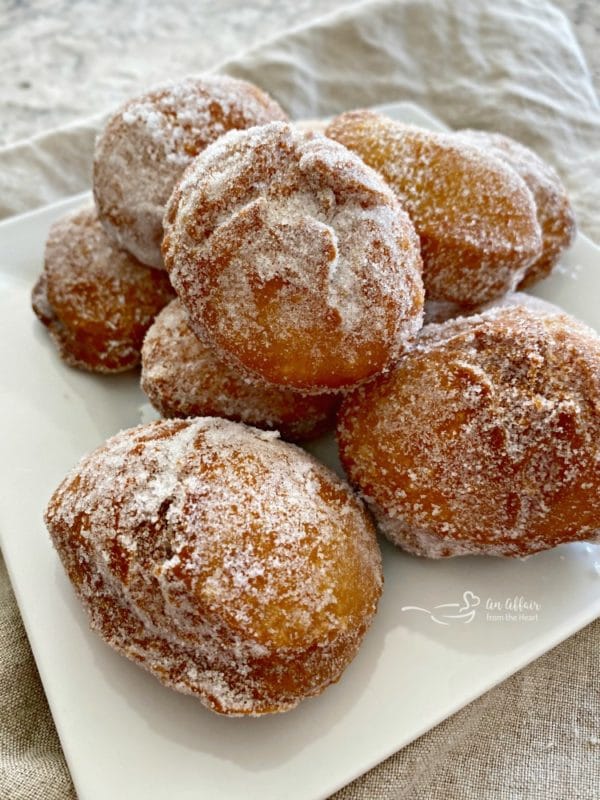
(514, 67)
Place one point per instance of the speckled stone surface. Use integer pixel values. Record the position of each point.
(63, 59)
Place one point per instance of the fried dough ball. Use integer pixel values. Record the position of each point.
(294, 260)
(475, 216)
(485, 439)
(231, 565)
(151, 139)
(554, 211)
(183, 378)
(97, 301)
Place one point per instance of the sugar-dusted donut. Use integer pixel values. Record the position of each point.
(182, 378)
(554, 211)
(231, 565)
(96, 300)
(293, 259)
(149, 141)
(475, 215)
(485, 439)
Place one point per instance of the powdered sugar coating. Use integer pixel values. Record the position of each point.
(229, 564)
(96, 300)
(554, 212)
(151, 139)
(475, 216)
(183, 378)
(486, 439)
(293, 259)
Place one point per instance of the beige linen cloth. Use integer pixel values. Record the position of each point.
(512, 66)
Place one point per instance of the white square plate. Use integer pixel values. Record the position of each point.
(123, 734)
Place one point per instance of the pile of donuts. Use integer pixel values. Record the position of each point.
(276, 281)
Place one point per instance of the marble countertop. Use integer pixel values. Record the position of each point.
(63, 59)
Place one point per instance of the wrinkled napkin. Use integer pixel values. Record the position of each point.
(513, 67)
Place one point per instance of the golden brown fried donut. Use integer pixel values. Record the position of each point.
(97, 301)
(151, 139)
(554, 212)
(229, 564)
(475, 216)
(294, 260)
(183, 378)
(485, 439)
